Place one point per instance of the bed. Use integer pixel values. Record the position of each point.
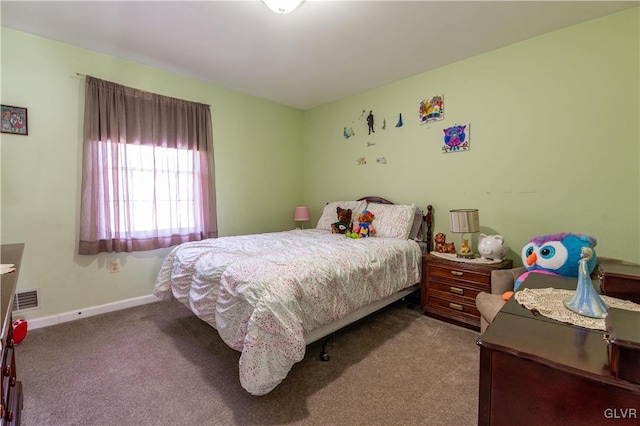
(270, 295)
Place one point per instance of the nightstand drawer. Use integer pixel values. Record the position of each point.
(463, 312)
(455, 290)
(459, 274)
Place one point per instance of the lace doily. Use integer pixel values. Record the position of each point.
(548, 302)
(477, 260)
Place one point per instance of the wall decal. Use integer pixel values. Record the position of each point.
(456, 138)
(370, 144)
(381, 160)
(431, 109)
(399, 124)
(362, 161)
(14, 120)
(384, 124)
(370, 122)
(348, 132)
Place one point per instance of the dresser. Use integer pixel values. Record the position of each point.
(449, 288)
(538, 371)
(10, 387)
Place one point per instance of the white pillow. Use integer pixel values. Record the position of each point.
(330, 215)
(392, 220)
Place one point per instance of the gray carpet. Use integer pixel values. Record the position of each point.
(159, 364)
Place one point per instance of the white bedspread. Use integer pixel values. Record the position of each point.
(264, 292)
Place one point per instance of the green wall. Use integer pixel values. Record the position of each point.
(555, 146)
(555, 139)
(257, 157)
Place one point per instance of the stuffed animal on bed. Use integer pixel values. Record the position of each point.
(364, 228)
(556, 254)
(343, 225)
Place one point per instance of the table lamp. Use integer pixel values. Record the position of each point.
(302, 214)
(464, 221)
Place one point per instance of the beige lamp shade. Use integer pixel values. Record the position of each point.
(302, 214)
(464, 220)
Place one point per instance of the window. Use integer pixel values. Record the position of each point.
(152, 188)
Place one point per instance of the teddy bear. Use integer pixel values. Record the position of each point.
(343, 225)
(365, 228)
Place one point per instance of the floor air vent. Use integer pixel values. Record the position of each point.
(26, 300)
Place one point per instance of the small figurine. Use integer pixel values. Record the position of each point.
(464, 246)
(586, 301)
(440, 240)
(442, 246)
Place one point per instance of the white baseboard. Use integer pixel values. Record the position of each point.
(91, 311)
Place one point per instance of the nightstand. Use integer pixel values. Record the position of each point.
(449, 288)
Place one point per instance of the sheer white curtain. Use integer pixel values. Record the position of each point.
(147, 179)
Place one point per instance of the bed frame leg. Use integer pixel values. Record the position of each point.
(412, 300)
(324, 356)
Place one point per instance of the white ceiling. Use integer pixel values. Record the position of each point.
(323, 51)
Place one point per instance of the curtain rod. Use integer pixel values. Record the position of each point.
(80, 75)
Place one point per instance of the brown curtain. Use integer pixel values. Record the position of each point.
(148, 176)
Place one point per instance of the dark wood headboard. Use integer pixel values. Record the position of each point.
(428, 218)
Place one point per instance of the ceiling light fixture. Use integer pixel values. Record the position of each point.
(282, 6)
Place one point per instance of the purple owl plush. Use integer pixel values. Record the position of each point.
(556, 254)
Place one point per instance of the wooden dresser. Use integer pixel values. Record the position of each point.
(538, 371)
(10, 387)
(449, 288)
(620, 279)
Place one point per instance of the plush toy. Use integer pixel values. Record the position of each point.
(440, 240)
(364, 228)
(343, 225)
(556, 254)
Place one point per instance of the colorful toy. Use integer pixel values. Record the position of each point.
(343, 225)
(364, 228)
(557, 254)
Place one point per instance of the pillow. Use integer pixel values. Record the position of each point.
(416, 228)
(329, 214)
(392, 220)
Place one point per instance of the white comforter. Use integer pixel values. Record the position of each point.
(264, 292)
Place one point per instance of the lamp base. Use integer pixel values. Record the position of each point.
(466, 255)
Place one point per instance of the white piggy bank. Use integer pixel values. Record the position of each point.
(492, 247)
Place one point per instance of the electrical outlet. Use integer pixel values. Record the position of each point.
(115, 266)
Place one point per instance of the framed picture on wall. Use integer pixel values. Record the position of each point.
(14, 120)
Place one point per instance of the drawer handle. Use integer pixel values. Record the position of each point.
(456, 290)
(456, 307)
(457, 273)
